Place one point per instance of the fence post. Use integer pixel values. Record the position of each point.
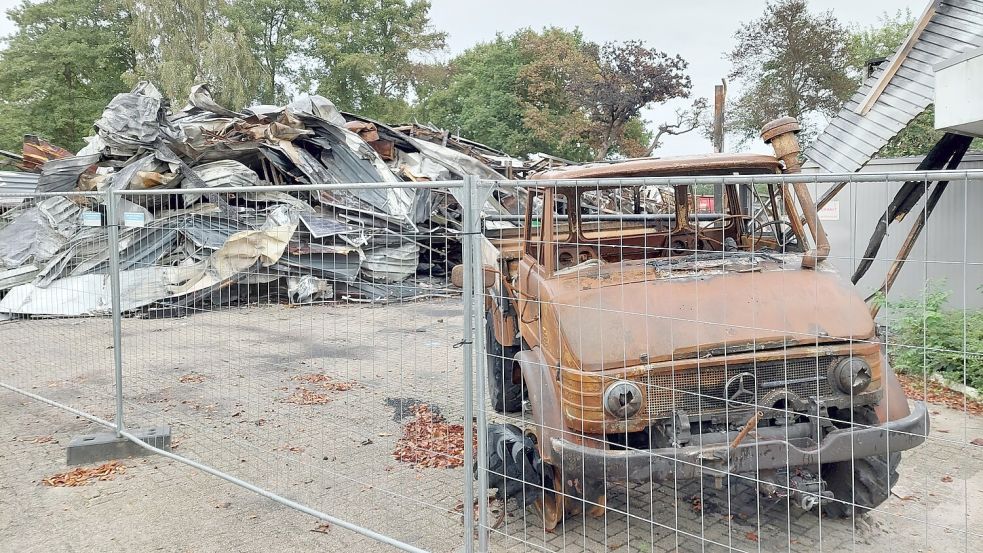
(468, 341)
(477, 195)
(112, 222)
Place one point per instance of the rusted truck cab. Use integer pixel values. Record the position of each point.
(672, 344)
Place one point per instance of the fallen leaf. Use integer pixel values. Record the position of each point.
(429, 441)
(326, 382)
(752, 536)
(191, 379)
(976, 441)
(82, 476)
(947, 478)
(322, 528)
(933, 392)
(306, 397)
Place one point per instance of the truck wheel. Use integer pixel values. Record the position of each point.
(505, 395)
(861, 484)
(557, 503)
(562, 500)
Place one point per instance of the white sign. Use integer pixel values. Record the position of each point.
(134, 219)
(91, 218)
(830, 211)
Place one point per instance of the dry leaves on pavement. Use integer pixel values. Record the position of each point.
(933, 392)
(306, 397)
(429, 441)
(326, 382)
(82, 476)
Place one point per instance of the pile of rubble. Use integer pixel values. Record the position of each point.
(186, 251)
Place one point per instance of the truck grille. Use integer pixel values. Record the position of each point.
(701, 391)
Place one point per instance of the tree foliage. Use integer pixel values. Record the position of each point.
(60, 68)
(506, 93)
(877, 41)
(553, 91)
(628, 77)
(792, 62)
(180, 43)
(270, 27)
(364, 51)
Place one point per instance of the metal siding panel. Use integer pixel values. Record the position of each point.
(962, 14)
(974, 6)
(850, 147)
(864, 137)
(916, 85)
(881, 123)
(953, 29)
(936, 46)
(956, 27)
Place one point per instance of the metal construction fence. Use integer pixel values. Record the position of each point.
(646, 364)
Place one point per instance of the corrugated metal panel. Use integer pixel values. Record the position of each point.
(17, 183)
(851, 139)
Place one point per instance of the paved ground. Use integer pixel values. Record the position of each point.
(224, 380)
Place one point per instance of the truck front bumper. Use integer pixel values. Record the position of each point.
(751, 455)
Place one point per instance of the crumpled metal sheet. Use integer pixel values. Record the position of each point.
(323, 226)
(20, 275)
(201, 98)
(388, 264)
(61, 175)
(38, 233)
(131, 120)
(244, 249)
(220, 173)
(316, 106)
(89, 295)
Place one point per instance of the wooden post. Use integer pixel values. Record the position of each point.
(719, 99)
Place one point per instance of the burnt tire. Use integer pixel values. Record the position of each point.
(505, 395)
(860, 485)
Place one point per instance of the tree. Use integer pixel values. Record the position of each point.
(866, 44)
(60, 69)
(552, 91)
(687, 120)
(789, 62)
(364, 50)
(511, 94)
(270, 27)
(180, 43)
(628, 77)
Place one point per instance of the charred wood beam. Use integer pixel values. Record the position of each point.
(908, 245)
(947, 153)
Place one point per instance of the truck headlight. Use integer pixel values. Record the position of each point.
(623, 399)
(850, 375)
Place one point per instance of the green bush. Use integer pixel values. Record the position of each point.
(925, 337)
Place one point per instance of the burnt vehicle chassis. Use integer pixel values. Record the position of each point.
(812, 412)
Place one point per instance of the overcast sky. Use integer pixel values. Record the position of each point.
(699, 30)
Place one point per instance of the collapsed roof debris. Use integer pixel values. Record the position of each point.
(190, 250)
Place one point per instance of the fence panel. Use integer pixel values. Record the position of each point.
(696, 375)
(57, 333)
(659, 364)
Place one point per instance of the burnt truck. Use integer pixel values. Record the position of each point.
(674, 344)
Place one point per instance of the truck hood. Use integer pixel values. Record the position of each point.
(620, 315)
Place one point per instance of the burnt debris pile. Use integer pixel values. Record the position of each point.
(183, 251)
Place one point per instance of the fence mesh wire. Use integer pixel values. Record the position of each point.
(322, 360)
